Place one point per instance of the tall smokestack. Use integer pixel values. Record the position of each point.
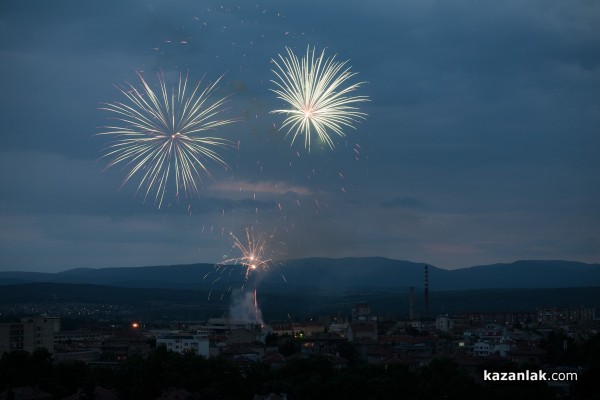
(426, 292)
(411, 304)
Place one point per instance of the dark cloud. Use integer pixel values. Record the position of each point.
(402, 202)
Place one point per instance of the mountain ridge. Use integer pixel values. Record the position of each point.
(330, 274)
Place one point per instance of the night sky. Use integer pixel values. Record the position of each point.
(480, 146)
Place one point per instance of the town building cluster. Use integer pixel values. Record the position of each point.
(470, 339)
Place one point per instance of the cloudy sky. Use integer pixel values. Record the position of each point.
(481, 143)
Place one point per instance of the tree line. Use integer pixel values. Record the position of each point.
(313, 377)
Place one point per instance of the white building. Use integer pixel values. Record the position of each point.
(482, 349)
(339, 329)
(485, 349)
(222, 325)
(444, 323)
(184, 343)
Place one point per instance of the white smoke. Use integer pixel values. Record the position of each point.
(244, 308)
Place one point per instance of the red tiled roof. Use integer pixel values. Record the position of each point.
(175, 394)
(381, 351)
(335, 359)
(466, 360)
(275, 358)
(241, 361)
(394, 359)
(527, 351)
(405, 339)
(235, 350)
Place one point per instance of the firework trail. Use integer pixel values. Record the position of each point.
(161, 135)
(319, 103)
(255, 305)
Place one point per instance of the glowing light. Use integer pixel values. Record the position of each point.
(161, 136)
(320, 104)
(252, 251)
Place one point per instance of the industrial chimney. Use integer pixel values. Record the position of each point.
(411, 304)
(426, 312)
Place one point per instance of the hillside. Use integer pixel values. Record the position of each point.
(326, 274)
(190, 304)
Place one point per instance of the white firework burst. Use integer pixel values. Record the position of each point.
(319, 102)
(161, 136)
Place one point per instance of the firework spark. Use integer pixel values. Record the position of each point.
(251, 258)
(252, 252)
(163, 135)
(320, 103)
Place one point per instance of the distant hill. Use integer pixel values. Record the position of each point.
(196, 304)
(326, 274)
(167, 277)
